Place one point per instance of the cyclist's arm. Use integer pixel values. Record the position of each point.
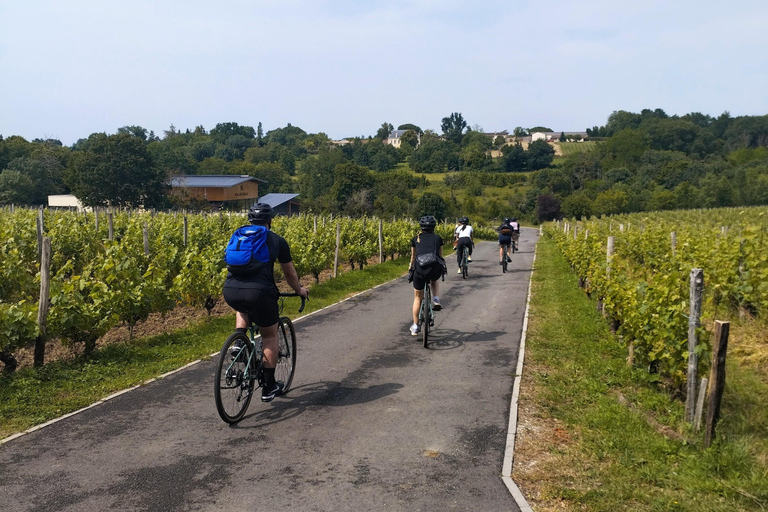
(413, 257)
(292, 278)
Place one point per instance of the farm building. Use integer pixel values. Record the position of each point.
(230, 192)
(283, 204)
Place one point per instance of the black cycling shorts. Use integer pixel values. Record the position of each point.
(260, 305)
(434, 275)
(505, 240)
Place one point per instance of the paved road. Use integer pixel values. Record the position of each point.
(374, 421)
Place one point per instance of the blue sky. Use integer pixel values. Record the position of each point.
(68, 69)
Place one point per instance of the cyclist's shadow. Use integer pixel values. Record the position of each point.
(320, 394)
(448, 339)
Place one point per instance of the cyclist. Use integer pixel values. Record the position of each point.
(464, 237)
(254, 296)
(506, 233)
(426, 242)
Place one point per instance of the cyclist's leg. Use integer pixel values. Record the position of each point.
(418, 296)
(269, 342)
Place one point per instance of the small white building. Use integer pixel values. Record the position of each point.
(66, 201)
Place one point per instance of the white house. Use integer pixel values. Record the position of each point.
(65, 201)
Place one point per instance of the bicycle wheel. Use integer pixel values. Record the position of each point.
(464, 263)
(504, 261)
(426, 315)
(233, 382)
(286, 356)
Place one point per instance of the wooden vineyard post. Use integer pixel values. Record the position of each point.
(96, 220)
(575, 231)
(381, 243)
(111, 226)
(186, 231)
(336, 252)
(40, 231)
(716, 379)
(145, 233)
(609, 256)
(697, 287)
(42, 311)
(541, 229)
(315, 223)
(700, 404)
(673, 237)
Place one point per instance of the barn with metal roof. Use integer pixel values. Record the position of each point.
(283, 204)
(230, 191)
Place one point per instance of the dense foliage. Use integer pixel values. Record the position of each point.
(98, 281)
(645, 285)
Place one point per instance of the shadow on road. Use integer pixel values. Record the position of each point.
(449, 339)
(321, 394)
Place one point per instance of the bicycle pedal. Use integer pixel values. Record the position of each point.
(431, 323)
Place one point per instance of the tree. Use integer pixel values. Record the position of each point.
(116, 170)
(409, 126)
(539, 129)
(539, 155)
(384, 131)
(562, 137)
(519, 131)
(136, 131)
(547, 208)
(347, 179)
(515, 159)
(16, 188)
(453, 127)
(578, 206)
(431, 204)
(410, 138)
(223, 131)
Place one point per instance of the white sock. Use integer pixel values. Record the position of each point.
(437, 298)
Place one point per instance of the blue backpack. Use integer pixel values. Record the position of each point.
(247, 250)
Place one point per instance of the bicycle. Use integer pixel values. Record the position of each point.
(240, 371)
(505, 258)
(515, 238)
(426, 313)
(464, 265)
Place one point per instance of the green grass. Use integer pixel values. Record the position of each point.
(33, 396)
(629, 447)
(569, 148)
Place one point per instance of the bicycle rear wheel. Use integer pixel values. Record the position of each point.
(286, 357)
(464, 263)
(426, 315)
(504, 261)
(233, 383)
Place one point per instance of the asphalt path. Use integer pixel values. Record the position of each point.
(373, 421)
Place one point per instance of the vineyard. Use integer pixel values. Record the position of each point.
(113, 268)
(643, 286)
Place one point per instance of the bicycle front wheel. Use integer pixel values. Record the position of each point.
(504, 261)
(233, 383)
(286, 357)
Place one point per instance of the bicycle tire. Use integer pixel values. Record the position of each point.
(504, 261)
(465, 264)
(426, 315)
(286, 356)
(233, 384)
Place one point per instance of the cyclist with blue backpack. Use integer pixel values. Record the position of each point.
(250, 287)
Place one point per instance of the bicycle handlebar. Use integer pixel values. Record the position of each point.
(293, 294)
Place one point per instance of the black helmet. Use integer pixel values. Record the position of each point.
(260, 213)
(427, 223)
(513, 219)
(464, 220)
(507, 220)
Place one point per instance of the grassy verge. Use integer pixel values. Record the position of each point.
(597, 435)
(33, 396)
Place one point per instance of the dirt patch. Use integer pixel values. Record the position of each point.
(540, 444)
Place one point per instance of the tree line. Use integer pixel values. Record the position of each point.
(652, 161)
(643, 161)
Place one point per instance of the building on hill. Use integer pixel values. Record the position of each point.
(230, 192)
(283, 204)
(394, 138)
(555, 136)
